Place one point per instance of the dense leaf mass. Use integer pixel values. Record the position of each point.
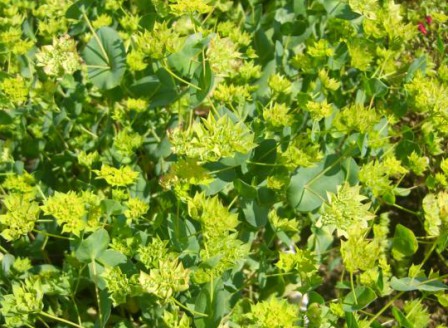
(218, 163)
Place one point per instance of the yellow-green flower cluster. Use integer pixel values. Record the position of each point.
(377, 174)
(300, 261)
(321, 49)
(92, 203)
(19, 308)
(150, 254)
(224, 252)
(417, 313)
(136, 209)
(121, 177)
(319, 110)
(59, 58)
(138, 105)
(217, 227)
(176, 319)
(158, 43)
(279, 84)
(101, 21)
(118, 285)
(113, 5)
(213, 139)
(68, 209)
(169, 278)
(273, 313)
(328, 82)
(23, 184)
(22, 264)
(21, 215)
(277, 115)
(223, 56)
(15, 88)
(183, 174)
(435, 207)
(300, 153)
(418, 164)
(345, 210)
(229, 29)
(247, 71)
(358, 253)
(190, 7)
(215, 218)
(130, 22)
(87, 159)
(367, 8)
(360, 55)
(282, 224)
(355, 118)
(51, 14)
(127, 141)
(231, 93)
(429, 95)
(136, 61)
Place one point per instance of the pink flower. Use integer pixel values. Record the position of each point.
(428, 19)
(422, 28)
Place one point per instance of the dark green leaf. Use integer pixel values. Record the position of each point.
(105, 58)
(404, 243)
(401, 318)
(359, 299)
(75, 10)
(203, 79)
(309, 186)
(255, 215)
(184, 61)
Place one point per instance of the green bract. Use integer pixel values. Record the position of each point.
(223, 164)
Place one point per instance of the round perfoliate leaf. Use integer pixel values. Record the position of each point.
(105, 57)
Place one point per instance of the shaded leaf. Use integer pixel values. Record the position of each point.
(423, 284)
(358, 300)
(93, 246)
(404, 243)
(105, 58)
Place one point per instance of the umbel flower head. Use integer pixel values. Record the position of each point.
(59, 58)
(170, 277)
(345, 210)
(213, 139)
(20, 216)
(121, 177)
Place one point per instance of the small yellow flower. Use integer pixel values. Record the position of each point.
(124, 176)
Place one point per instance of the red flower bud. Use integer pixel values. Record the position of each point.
(422, 28)
(428, 19)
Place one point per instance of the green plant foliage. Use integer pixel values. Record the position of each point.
(223, 164)
(105, 58)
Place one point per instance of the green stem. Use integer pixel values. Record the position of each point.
(406, 210)
(187, 309)
(352, 285)
(41, 192)
(179, 78)
(385, 307)
(98, 66)
(51, 235)
(100, 44)
(427, 256)
(50, 316)
(98, 299)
